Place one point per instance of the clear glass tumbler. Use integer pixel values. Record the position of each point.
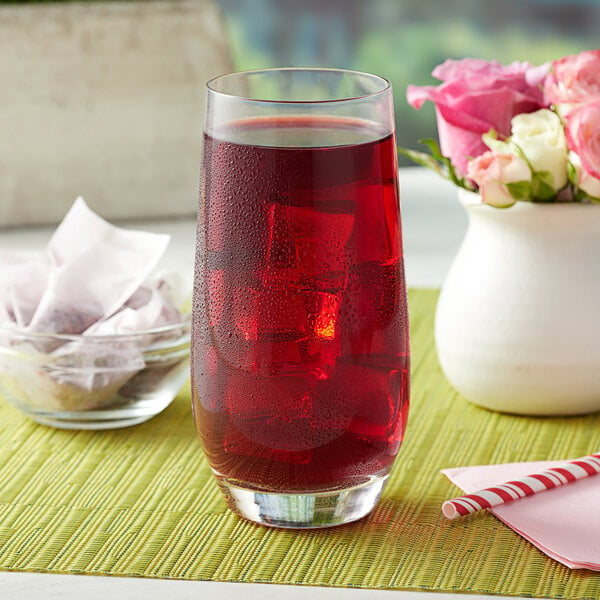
(300, 353)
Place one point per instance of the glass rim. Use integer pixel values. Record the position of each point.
(386, 84)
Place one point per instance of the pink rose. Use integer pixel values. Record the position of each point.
(478, 96)
(583, 135)
(574, 78)
(494, 173)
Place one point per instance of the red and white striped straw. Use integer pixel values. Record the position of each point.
(527, 486)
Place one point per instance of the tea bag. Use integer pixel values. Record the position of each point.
(96, 268)
(151, 306)
(24, 279)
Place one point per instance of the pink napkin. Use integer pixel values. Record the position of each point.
(564, 523)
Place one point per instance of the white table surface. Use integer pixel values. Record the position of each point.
(433, 226)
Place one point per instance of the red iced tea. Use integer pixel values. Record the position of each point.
(300, 363)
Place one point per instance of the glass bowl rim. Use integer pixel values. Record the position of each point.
(7, 331)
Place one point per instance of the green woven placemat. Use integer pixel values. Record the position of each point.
(141, 502)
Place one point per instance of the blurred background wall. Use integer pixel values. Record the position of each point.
(105, 100)
(61, 75)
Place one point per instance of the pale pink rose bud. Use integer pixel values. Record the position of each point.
(587, 183)
(494, 173)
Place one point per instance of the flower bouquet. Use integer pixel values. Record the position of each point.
(516, 132)
(516, 324)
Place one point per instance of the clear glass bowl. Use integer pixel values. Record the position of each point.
(93, 382)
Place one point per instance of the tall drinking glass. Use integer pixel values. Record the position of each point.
(300, 354)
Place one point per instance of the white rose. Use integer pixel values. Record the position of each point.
(583, 180)
(541, 137)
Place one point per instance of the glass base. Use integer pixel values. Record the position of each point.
(127, 415)
(73, 423)
(303, 511)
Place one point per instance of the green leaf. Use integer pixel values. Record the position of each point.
(450, 172)
(519, 190)
(434, 148)
(581, 196)
(572, 174)
(423, 159)
(541, 186)
(437, 161)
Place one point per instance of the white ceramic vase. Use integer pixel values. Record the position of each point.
(517, 324)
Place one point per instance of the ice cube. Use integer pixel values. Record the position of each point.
(277, 331)
(373, 315)
(376, 233)
(337, 198)
(234, 238)
(306, 248)
(374, 394)
(292, 413)
(278, 413)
